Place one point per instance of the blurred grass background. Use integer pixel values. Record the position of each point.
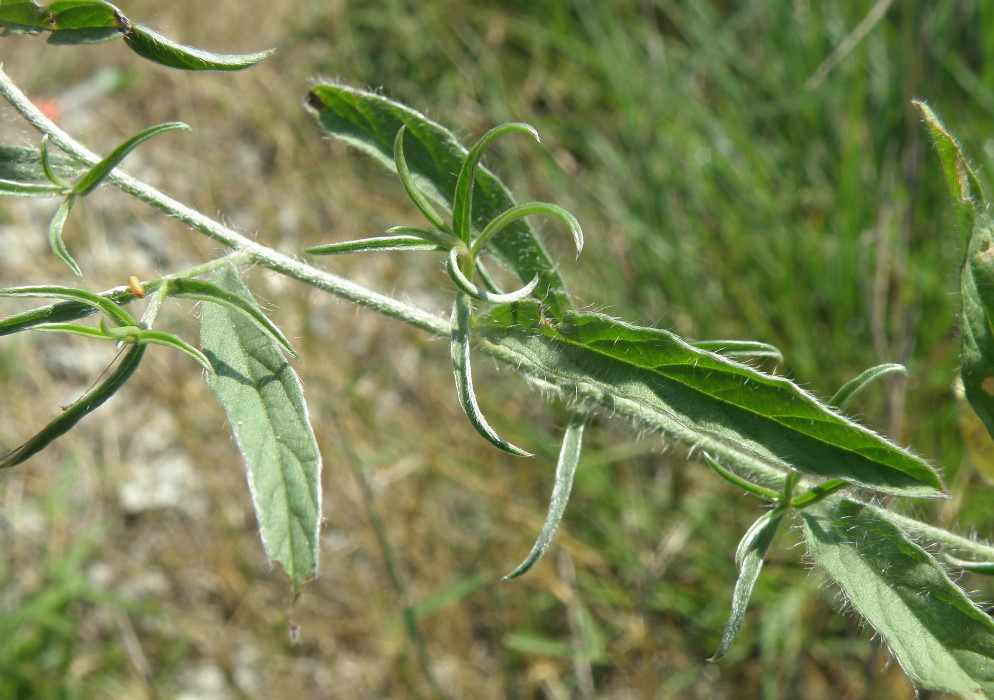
(748, 170)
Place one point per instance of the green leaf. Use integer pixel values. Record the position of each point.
(744, 484)
(462, 200)
(410, 186)
(263, 399)
(12, 188)
(942, 640)
(55, 234)
(77, 329)
(146, 337)
(749, 560)
(569, 458)
(963, 183)
(379, 243)
(206, 291)
(370, 122)
(466, 285)
(95, 175)
(517, 212)
(740, 348)
(74, 413)
(84, 22)
(461, 315)
(977, 274)
(17, 16)
(844, 396)
(80, 296)
(22, 164)
(706, 399)
(155, 47)
(61, 312)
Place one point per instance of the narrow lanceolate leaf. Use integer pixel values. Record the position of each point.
(155, 47)
(740, 348)
(467, 285)
(942, 640)
(58, 313)
(53, 315)
(851, 389)
(749, 560)
(462, 369)
(78, 329)
(977, 274)
(462, 202)
(569, 458)
(95, 175)
(55, 241)
(12, 188)
(709, 400)
(209, 292)
(74, 413)
(380, 243)
(519, 211)
(434, 156)
(264, 401)
(410, 186)
(146, 337)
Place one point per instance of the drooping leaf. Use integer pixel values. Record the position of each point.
(851, 389)
(466, 285)
(744, 484)
(569, 458)
(942, 640)
(706, 398)
(206, 291)
(749, 560)
(95, 175)
(146, 337)
(462, 369)
(434, 156)
(164, 51)
(74, 413)
(264, 401)
(55, 241)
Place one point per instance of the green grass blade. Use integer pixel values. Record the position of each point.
(709, 398)
(462, 369)
(749, 560)
(83, 406)
(569, 458)
(206, 291)
(851, 389)
(462, 200)
(155, 47)
(264, 402)
(370, 122)
(942, 640)
(95, 175)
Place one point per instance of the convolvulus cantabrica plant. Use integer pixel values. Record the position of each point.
(812, 463)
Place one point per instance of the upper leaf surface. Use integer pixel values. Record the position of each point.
(710, 396)
(942, 640)
(370, 122)
(264, 401)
